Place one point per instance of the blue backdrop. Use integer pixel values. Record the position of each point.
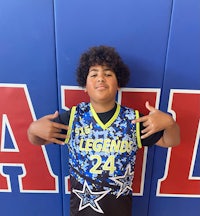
(40, 46)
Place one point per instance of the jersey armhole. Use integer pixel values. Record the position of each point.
(139, 142)
(71, 119)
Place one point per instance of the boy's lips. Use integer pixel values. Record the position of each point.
(101, 87)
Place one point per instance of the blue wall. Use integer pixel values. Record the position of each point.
(40, 45)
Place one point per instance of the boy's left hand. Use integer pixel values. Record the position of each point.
(155, 121)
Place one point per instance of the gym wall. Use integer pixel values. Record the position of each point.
(40, 46)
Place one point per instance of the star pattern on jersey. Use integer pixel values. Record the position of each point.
(89, 198)
(125, 181)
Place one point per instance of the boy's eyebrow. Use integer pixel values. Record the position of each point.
(107, 68)
(93, 69)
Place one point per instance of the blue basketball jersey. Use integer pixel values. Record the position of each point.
(102, 156)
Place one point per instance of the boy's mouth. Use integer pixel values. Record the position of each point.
(101, 87)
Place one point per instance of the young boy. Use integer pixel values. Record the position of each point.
(103, 136)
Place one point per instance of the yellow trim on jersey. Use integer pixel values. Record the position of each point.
(108, 124)
(71, 119)
(138, 130)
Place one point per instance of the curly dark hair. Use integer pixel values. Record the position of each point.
(102, 55)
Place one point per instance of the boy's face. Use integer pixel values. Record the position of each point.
(101, 84)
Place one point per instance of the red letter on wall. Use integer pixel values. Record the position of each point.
(136, 98)
(179, 179)
(15, 117)
(71, 96)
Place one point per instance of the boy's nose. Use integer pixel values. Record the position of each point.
(100, 79)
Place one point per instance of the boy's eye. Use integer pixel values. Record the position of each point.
(108, 74)
(93, 75)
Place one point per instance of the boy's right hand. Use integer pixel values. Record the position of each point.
(44, 131)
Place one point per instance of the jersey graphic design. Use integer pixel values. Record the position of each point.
(101, 156)
(124, 181)
(90, 198)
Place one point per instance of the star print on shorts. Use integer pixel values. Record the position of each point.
(90, 198)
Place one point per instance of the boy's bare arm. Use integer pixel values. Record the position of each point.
(171, 136)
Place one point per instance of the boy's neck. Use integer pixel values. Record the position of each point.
(103, 107)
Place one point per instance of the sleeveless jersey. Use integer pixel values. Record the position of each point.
(102, 156)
